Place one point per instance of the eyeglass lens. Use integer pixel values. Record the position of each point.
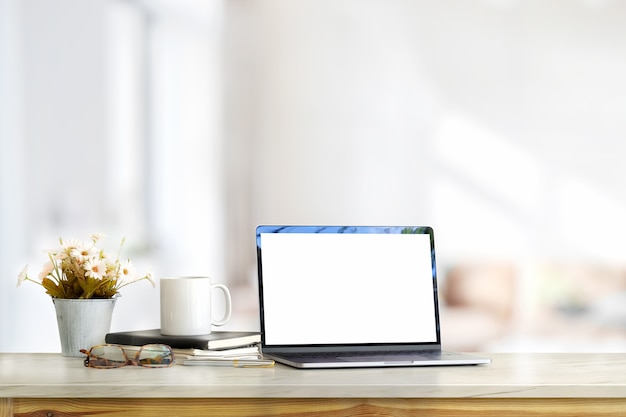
(155, 356)
(113, 356)
(107, 356)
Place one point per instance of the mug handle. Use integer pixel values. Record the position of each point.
(227, 306)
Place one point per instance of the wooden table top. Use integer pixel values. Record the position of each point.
(510, 375)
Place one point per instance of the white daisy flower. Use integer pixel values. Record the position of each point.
(21, 277)
(95, 268)
(70, 244)
(47, 268)
(85, 252)
(127, 272)
(59, 256)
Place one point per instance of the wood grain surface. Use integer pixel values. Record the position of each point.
(231, 407)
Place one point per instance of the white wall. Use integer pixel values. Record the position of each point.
(498, 116)
(13, 242)
(499, 123)
(111, 112)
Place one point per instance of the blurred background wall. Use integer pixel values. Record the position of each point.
(181, 125)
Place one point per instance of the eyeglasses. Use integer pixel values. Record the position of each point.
(114, 356)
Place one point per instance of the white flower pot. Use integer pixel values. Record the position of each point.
(82, 323)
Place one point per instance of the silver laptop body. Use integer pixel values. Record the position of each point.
(350, 296)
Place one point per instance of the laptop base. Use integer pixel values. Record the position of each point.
(428, 358)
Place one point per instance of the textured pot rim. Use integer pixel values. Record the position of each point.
(82, 300)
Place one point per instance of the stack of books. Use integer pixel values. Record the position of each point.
(227, 345)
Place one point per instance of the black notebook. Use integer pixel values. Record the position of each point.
(213, 341)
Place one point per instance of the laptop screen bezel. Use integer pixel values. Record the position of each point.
(261, 229)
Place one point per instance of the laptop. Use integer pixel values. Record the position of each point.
(350, 296)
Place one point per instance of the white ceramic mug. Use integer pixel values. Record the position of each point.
(186, 306)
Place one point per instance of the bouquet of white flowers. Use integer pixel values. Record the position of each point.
(81, 270)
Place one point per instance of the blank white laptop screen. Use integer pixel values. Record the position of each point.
(357, 288)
